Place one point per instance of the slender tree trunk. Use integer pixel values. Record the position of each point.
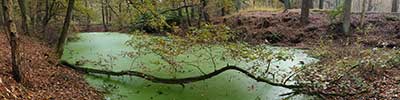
(370, 6)
(204, 13)
(13, 37)
(337, 3)
(305, 11)
(64, 32)
(22, 7)
(2, 17)
(288, 4)
(223, 10)
(321, 4)
(395, 5)
(103, 15)
(109, 14)
(347, 16)
(192, 11)
(363, 11)
(33, 14)
(88, 19)
(187, 13)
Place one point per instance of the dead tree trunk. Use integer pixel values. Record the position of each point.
(22, 7)
(12, 38)
(181, 81)
(64, 32)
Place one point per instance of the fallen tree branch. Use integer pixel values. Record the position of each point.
(174, 80)
(297, 89)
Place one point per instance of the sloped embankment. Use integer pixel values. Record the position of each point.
(286, 29)
(43, 77)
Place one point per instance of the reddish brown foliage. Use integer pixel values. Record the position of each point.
(43, 78)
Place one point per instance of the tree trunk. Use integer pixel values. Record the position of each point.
(32, 13)
(370, 6)
(87, 16)
(109, 14)
(1, 17)
(12, 33)
(347, 16)
(395, 5)
(363, 10)
(22, 7)
(204, 13)
(321, 4)
(64, 32)
(305, 11)
(337, 3)
(103, 15)
(187, 13)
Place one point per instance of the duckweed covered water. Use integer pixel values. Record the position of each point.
(106, 51)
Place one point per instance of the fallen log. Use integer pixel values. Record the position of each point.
(180, 81)
(297, 89)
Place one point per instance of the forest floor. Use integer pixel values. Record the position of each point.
(285, 29)
(43, 78)
(372, 51)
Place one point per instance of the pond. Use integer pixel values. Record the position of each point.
(107, 50)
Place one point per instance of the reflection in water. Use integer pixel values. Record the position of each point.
(108, 48)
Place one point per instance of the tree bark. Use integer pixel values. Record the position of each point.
(175, 80)
(88, 22)
(321, 4)
(370, 6)
(24, 23)
(337, 3)
(347, 16)
(2, 22)
(395, 5)
(12, 38)
(305, 11)
(64, 32)
(238, 5)
(286, 4)
(187, 13)
(203, 10)
(103, 15)
(363, 11)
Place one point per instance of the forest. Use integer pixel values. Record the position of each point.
(199, 50)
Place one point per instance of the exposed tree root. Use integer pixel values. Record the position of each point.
(181, 81)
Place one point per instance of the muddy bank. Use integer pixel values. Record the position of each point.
(43, 77)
